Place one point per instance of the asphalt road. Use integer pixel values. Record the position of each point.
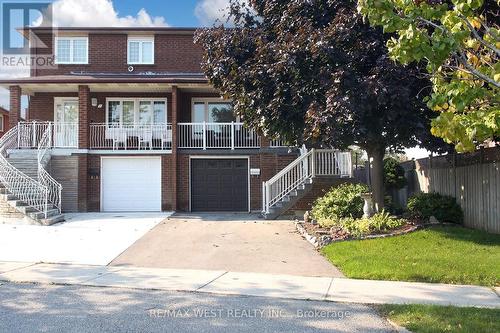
(50, 308)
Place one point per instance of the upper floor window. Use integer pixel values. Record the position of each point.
(212, 110)
(1, 123)
(72, 50)
(141, 50)
(136, 111)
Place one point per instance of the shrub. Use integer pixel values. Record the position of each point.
(394, 174)
(378, 223)
(339, 202)
(443, 207)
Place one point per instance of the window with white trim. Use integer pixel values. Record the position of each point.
(141, 50)
(1, 123)
(212, 110)
(72, 50)
(131, 111)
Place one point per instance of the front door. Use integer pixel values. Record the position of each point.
(66, 123)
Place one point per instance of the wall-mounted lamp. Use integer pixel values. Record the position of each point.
(94, 102)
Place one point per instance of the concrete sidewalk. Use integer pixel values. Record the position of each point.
(252, 284)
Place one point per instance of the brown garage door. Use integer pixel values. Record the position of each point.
(219, 185)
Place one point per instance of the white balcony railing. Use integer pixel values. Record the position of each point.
(62, 135)
(216, 135)
(131, 137)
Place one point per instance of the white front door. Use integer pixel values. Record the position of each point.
(66, 123)
(131, 184)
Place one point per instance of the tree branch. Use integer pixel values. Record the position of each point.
(471, 70)
(479, 38)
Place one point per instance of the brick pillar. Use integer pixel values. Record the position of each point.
(83, 116)
(15, 106)
(175, 114)
(264, 142)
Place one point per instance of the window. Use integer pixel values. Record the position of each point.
(131, 111)
(212, 110)
(1, 123)
(141, 50)
(71, 50)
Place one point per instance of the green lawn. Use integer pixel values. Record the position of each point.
(439, 254)
(432, 318)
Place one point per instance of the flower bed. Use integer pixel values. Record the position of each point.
(320, 236)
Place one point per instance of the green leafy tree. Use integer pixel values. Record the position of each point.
(314, 72)
(459, 42)
(394, 174)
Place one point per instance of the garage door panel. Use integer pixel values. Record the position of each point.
(131, 184)
(219, 184)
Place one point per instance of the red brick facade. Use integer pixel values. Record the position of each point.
(108, 53)
(174, 53)
(4, 114)
(15, 105)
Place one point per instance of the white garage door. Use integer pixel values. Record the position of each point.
(131, 184)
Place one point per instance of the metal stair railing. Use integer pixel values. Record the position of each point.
(316, 162)
(23, 187)
(54, 189)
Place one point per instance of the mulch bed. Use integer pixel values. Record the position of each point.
(319, 236)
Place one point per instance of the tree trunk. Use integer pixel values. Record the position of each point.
(377, 176)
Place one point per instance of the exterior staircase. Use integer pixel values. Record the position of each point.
(25, 184)
(25, 161)
(285, 189)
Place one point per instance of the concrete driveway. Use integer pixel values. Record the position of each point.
(232, 242)
(85, 238)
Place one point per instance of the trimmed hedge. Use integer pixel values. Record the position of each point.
(339, 202)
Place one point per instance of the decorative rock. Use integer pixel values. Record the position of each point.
(314, 222)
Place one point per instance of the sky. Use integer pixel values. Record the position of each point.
(175, 13)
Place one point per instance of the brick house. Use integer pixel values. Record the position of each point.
(4, 121)
(134, 125)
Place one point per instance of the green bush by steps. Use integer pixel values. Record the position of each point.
(339, 202)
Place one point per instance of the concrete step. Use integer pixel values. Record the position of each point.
(289, 200)
(41, 215)
(53, 220)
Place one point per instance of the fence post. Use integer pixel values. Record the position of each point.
(60, 199)
(204, 136)
(19, 129)
(313, 162)
(33, 135)
(268, 197)
(264, 197)
(232, 135)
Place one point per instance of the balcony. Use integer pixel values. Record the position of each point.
(63, 135)
(152, 137)
(216, 136)
(131, 136)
